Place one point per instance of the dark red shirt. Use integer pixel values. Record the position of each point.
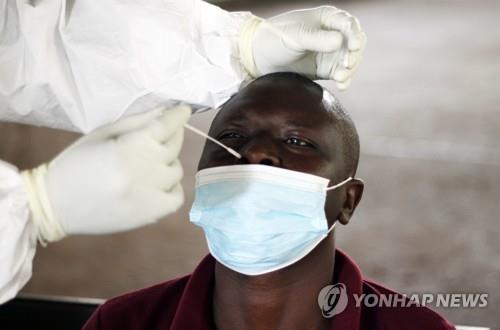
(186, 303)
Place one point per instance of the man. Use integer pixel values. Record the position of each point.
(287, 122)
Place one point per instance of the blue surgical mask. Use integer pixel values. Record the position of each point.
(258, 218)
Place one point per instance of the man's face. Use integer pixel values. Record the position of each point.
(279, 124)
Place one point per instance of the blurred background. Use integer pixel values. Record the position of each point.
(426, 103)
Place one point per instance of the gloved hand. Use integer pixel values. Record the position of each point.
(322, 43)
(119, 177)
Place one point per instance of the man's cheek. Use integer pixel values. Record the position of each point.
(333, 206)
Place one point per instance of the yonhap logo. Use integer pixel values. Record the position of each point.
(332, 299)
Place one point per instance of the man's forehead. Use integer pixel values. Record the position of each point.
(293, 106)
(287, 116)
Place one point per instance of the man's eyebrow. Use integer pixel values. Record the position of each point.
(236, 119)
(299, 125)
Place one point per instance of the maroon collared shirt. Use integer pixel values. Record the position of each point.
(186, 303)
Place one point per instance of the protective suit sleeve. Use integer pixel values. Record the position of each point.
(77, 65)
(17, 234)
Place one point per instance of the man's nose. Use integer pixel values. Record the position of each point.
(260, 151)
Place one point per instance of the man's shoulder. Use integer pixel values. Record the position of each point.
(394, 310)
(137, 307)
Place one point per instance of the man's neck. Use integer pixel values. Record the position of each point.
(284, 299)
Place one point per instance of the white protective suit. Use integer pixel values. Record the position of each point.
(58, 56)
(54, 66)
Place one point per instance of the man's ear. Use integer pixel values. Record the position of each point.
(353, 193)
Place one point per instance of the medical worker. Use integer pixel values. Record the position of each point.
(84, 65)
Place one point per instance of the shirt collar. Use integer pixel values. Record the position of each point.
(347, 272)
(194, 310)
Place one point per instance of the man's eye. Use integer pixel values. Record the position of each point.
(230, 135)
(298, 142)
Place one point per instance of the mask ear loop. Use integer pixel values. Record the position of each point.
(332, 188)
(197, 131)
(335, 187)
(339, 184)
(331, 228)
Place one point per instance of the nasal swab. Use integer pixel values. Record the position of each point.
(197, 131)
(339, 184)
